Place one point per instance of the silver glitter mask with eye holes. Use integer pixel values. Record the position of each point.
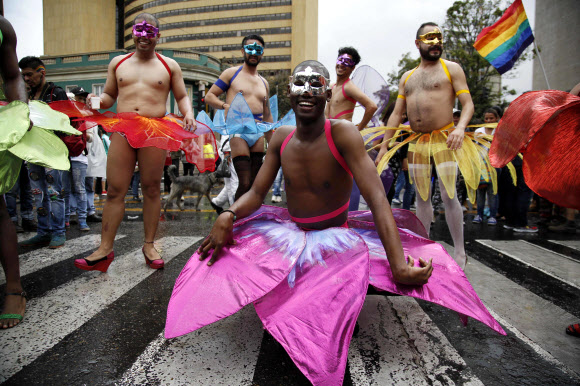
(310, 81)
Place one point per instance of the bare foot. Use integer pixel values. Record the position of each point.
(151, 252)
(13, 304)
(99, 253)
(461, 259)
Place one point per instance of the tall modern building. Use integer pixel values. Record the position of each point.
(213, 27)
(557, 34)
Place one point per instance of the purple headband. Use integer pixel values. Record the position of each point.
(345, 61)
(145, 30)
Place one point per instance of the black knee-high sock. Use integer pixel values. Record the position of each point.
(242, 165)
(256, 162)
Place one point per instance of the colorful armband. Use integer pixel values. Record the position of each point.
(223, 85)
(461, 92)
(401, 97)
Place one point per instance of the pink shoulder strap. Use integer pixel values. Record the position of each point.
(343, 93)
(333, 149)
(288, 137)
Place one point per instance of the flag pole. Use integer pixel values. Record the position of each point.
(541, 64)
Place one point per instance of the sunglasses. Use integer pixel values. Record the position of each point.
(254, 49)
(308, 81)
(145, 30)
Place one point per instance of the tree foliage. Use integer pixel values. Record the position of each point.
(279, 85)
(463, 23)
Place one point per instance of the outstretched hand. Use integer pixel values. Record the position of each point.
(416, 275)
(220, 235)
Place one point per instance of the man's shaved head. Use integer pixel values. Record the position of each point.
(315, 65)
(149, 18)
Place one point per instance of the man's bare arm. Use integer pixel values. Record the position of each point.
(455, 138)
(111, 90)
(181, 97)
(350, 145)
(370, 107)
(212, 97)
(13, 83)
(222, 231)
(394, 120)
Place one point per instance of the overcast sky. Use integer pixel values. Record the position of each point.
(381, 30)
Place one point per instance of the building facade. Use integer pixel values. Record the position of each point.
(203, 36)
(212, 27)
(289, 27)
(557, 35)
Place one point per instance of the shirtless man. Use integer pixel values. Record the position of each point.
(345, 95)
(428, 96)
(247, 149)
(140, 83)
(14, 295)
(321, 190)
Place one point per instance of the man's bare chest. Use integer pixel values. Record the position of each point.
(250, 87)
(338, 97)
(424, 81)
(152, 75)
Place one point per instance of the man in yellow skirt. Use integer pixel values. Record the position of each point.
(428, 94)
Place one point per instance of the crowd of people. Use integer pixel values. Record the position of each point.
(324, 198)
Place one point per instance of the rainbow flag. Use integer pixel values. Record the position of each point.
(503, 43)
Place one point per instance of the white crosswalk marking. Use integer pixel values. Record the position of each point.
(224, 353)
(41, 258)
(62, 310)
(399, 344)
(574, 244)
(551, 263)
(534, 317)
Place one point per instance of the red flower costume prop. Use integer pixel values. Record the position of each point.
(545, 127)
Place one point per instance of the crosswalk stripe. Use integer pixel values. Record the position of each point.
(531, 245)
(534, 317)
(550, 263)
(51, 317)
(537, 348)
(41, 258)
(412, 349)
(574, 244)
(224, 353)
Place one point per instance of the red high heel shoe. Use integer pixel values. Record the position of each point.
(101, 264)
(155, 264)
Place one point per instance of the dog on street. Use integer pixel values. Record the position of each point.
(200, 184)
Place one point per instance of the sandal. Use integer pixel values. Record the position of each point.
(573, 329)
(14, 316)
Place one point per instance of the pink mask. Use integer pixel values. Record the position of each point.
(145, 30)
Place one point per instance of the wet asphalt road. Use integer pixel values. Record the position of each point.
(70, 340)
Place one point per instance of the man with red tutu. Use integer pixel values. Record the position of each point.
(140, 83)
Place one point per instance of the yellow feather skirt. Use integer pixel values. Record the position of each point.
(472, 158)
